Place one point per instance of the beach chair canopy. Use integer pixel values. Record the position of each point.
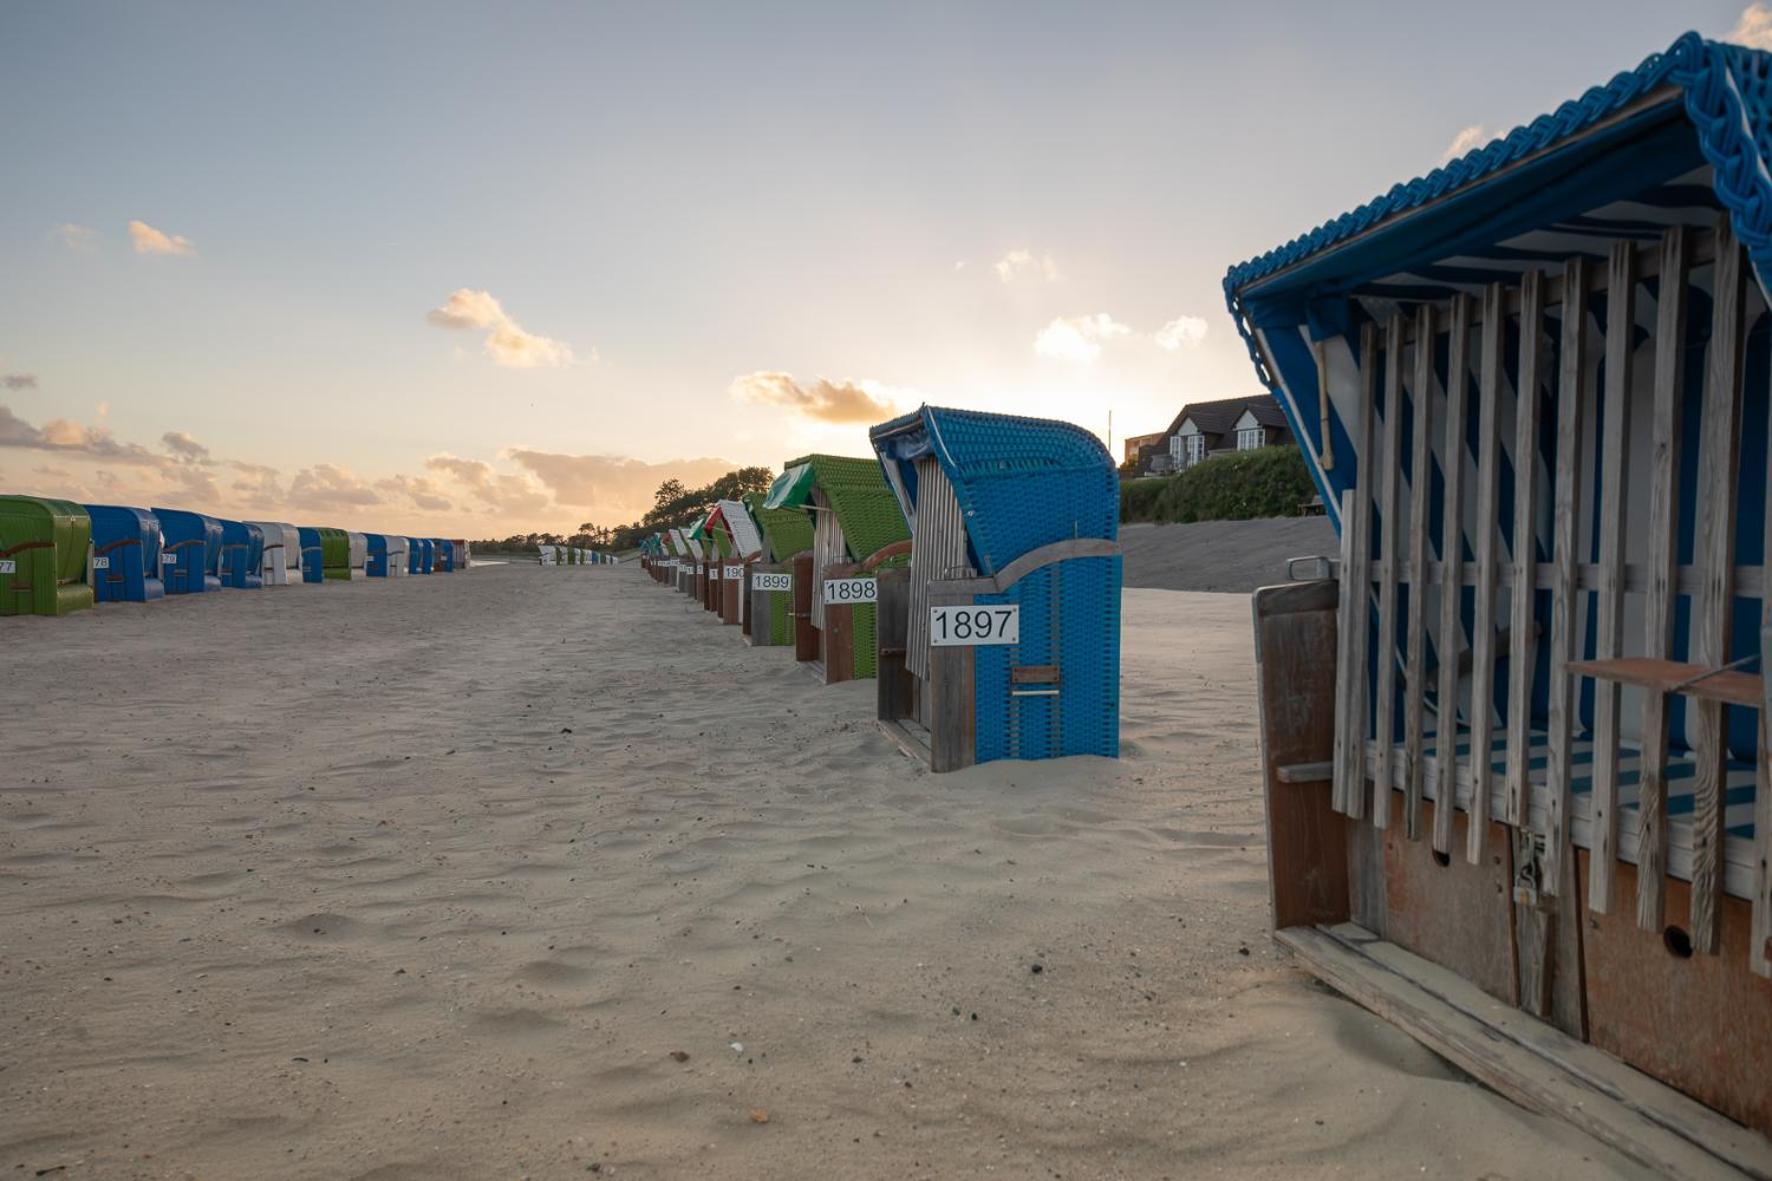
(743, 537)
(785, 531)
(1682, 139)
(856, 492)
(43, 546)
(1020, 483)
(191, 552)
(280, 564)
(242, 554)
(125, 554)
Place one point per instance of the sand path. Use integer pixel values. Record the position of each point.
(430, 879)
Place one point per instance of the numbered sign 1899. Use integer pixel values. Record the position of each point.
(963, 626)
(844, 591)
(772, 582)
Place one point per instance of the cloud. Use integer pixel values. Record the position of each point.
(1754, 28)
(66, 435)
(19, 381)
(507, 342)
(823, 400)
(256, 485)
(185, 447)
(1183, 332)
(422, 491)
(77, 237)
(326, 487)
(1468, 139)
(1023, 262)
(612, 484)
(502, 491)
(1078, 339)
(149, 240)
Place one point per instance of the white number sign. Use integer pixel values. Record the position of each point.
(772, 582)
(169, 559)
(714, 572)
(964, 626)
(843, 591)
(102, 563)
(735, 572)
(8, 566)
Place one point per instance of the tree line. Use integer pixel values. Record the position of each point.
(673, 506)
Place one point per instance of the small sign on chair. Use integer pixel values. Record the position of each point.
(963, 626)
(772, 582)
(843, 592)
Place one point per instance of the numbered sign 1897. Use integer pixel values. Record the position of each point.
(968, 625)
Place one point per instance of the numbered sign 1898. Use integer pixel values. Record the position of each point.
(844, 591)
(963, 626)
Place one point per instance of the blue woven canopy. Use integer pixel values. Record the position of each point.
(1684, 137)
(1021, 482)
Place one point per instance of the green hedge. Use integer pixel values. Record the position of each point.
(1240, 486)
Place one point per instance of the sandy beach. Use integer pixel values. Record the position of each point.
(543, 873)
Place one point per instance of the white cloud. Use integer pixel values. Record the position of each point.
(1754, 28)
(1468, 138)
(507, 342)
(77, 237)
(149, 240)
(1078, 339)
(1183, 332)
(19, 381)
(824, 400)
(184, 447)
(1017, 263)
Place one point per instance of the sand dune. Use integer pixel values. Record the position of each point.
(526, 873)
(1232, 556)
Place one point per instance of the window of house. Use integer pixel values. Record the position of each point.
(1249, 438)
(1196, 448)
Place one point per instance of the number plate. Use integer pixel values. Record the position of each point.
(839, 592)
(735, 572)
(714, 572)
(772, 582)
(103, 563)
(8, 566)
(967, 626)
(169, 559)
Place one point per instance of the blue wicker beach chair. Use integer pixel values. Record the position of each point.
(1015, 523)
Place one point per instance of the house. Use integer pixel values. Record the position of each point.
(1136, 444)
(1205, 429)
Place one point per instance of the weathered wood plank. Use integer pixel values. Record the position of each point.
(1421, 460)
(1390, 547)
(1351, 784)
(1343, 769)
(1533, 923)
(1529, 1061)
(1658, 604)
(1295, 628)
(1572, 397)
(1614, 444)
(1718, 460)
(1522, 653)
(1482, 711)
(1451, 629)
(1759, 950)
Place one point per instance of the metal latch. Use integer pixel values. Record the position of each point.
(1315, 568)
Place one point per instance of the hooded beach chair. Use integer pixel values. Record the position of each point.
(125, 554)
(44, 547)
(242, 554)
(190, 558)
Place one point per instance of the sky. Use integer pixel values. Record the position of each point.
(479, 269)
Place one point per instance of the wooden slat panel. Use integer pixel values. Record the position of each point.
(1565, 511)
(1420, 483)
(1451, 631)
(1489, 377)
(1351, 732)
(1522, 650)
(1346, 767)
(1759, 950)
(937, 551)
(1390, 456)
(1614, 444)
(1718, 455)
(1658, 605)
